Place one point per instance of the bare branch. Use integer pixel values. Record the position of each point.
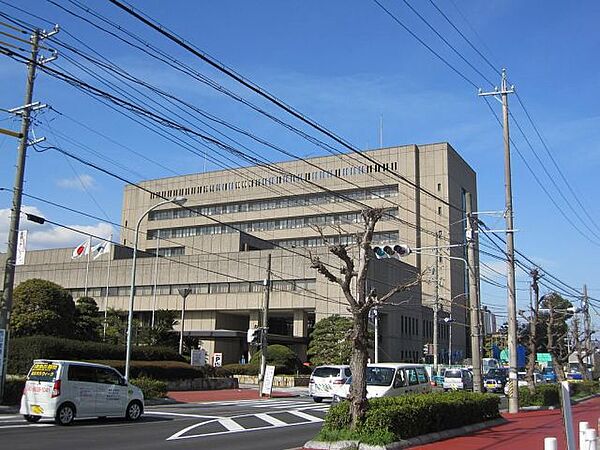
(399, 288)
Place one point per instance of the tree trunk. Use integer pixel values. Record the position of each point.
(358, 362)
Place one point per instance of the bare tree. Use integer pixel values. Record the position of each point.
(359, 304)
(581, 351)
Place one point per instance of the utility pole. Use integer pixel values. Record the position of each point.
(9, 270)
(587, 327)
(534, 308)
(513, 399)
(474, 314)
(436, 305)
(265, 328)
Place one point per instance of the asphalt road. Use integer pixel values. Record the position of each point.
(246, 424)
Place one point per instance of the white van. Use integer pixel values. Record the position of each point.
(458, 379)
(63, 390)
(325, 379)
(390, 380)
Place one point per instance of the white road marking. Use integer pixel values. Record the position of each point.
(270, 419)
(305, 416)
(193, 416)
(16, 416)
(231, 425)
(38, 425)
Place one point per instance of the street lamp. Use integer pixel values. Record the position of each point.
(178, 201)
(184, 293)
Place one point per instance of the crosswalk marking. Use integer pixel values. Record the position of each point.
(270, 419)
(306, 416)
(15, 416)
(193, 416)
(231, 424)
(23, 425)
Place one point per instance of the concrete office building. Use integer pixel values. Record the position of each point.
(217, 246)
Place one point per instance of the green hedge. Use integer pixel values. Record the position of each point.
(150, 387)
(22, 351)
(544, 395)
(395, 418)
(584, 388)
(160, 370)
(241, 369)
(13, 390)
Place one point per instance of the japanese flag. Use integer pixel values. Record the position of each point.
(81, 250)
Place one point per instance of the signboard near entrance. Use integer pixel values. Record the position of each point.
(198, 357)
(268, 381)
(217, 359)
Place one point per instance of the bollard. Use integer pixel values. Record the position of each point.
(550, 443)
(582, 427)
(590, 440)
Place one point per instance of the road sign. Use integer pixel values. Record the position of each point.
(543, 357)
(217, 359)
(268, 381)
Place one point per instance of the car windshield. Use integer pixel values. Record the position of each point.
(380, 376)
(549, 370)
(496, 373)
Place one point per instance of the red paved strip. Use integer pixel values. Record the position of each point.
(220, 395)
(525, 430)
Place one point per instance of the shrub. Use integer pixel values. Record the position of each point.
(584, 388)
(393, 418)
(150, 387)
(24, 350)
(159, 370)
(13, 390)
(544, 395)
(283, 358)
(241, 369)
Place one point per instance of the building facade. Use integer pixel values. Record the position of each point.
(217, 245)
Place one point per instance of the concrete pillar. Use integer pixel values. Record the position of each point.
(300, 323)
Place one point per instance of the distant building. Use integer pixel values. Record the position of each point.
(489, 321)
(217, 246)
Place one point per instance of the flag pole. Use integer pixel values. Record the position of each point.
(155, 280)
(106, 295)
(87, 266)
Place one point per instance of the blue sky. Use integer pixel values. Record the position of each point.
(345, 64)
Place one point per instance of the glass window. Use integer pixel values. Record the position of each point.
(219, 288)
(421, 375)
(379, 376)
(82, 373)
(412, 377)
(43, 372)
(400, 380)
(107, 376)
(239, 287)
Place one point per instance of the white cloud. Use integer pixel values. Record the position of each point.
(43, 236)
(80, 182)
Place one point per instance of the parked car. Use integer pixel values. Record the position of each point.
(458, 379)
(64, 390)
(574, 375)
(495, 379)
(390, 380)
(522, 382)
(325, 379)
(549, 374)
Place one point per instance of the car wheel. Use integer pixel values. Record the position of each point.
(134, 411)
(32, 419)
(318, 399)
(65, 414)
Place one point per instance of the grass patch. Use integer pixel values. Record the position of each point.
(377, 437)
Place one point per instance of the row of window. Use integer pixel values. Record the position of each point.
(381, 237)
(274, 180)
(428, 330)
(275, 203)
(265, 225)
(200, 288)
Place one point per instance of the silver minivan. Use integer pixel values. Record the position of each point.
(64, 390)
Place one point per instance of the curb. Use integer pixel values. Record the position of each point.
(418, 440)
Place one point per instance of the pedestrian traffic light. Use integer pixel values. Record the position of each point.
(392, 251)
(426, 349)
(254, 336)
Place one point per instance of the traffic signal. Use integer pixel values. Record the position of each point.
(392, 251)
(254, 336)
(426, 349)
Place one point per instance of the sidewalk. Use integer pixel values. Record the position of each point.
(245, 392)
(525, 430)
